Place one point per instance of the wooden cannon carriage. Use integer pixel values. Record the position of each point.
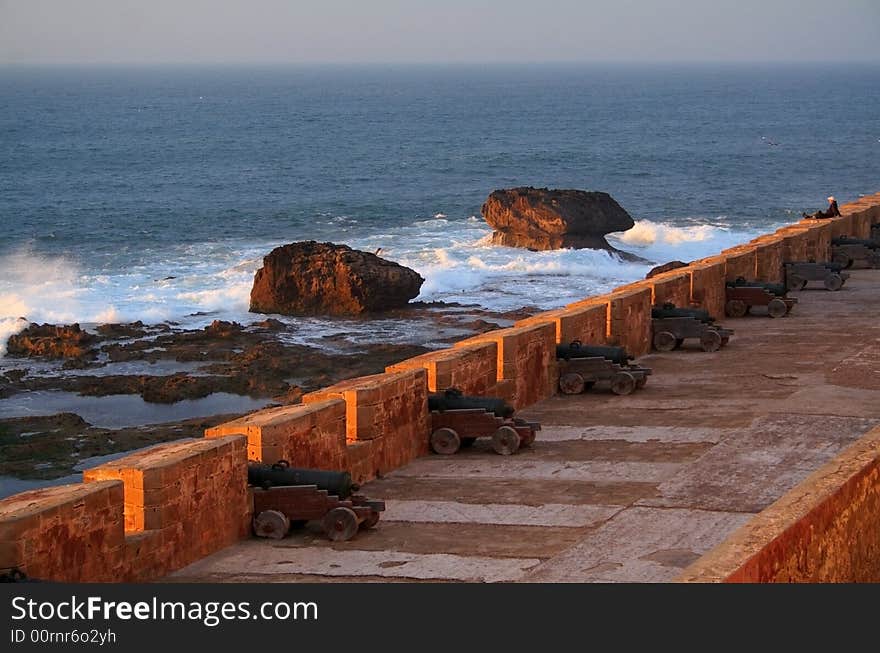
(672, 326)
(582, 366)
(799, 273)
(742, 295)
(457, 421)
(847, 251)
(330, 498)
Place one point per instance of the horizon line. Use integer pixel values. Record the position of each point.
(554, 62)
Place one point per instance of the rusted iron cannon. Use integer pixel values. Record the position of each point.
(582, 366)
(846, 251)
(458, 423)
(670, 310)
(799, 273)
(278, 508)
(742, 295)
(453, 399)
(672, 326)
(281, 473)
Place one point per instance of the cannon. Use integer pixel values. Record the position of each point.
(15, 575)
(281, 473)
(742, 295)
(846, 251)
(575, 349)
(799, 273)
(672, 327)
(777, 289)
(669, 310)
(279, 507)
(469, 418)
(582, 366)
(453, 399)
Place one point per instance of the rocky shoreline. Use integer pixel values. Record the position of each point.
(256, 360)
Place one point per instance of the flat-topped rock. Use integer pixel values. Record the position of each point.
(311, 278)
(540, 218)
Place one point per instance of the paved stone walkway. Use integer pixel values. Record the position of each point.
(617, 489)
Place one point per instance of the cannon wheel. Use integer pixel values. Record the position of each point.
(340, 524)
(529, 439)
(445, 441)
(795, 282)
(623, 383)
(711, 340)
(842, 258)
(505, 440)
(664, 341)
(271, 523)
(777, 308)
(467, 442)
(833, 281)
(736, 308)
(372, 520)
(642, 381)
(571, 384)
(725, 340)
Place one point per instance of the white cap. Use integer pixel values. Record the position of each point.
(831, 198)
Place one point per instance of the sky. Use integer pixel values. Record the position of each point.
(436, 31)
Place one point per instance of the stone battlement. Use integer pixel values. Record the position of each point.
(156, 510)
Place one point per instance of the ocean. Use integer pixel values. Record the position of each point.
(151, 193)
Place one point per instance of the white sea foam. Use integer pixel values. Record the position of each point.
(192, 285)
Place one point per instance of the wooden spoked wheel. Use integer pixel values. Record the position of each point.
(445, 441)
(273, 524)
(664, 341)
(505, 440)
(340, 524)
(842, 259)
(777, 308)
(736, 308)
(571, 384)
(371, 520)
(833, 281)
(710, 340)
(795, 282)
(623, 383)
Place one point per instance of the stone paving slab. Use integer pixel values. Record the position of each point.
(494, 466)
(648, 544)
(256, 557)
(552, 514)
(666, 434)
(748, 471)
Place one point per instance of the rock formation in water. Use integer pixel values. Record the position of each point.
(666, 267)
(310, 278)
(51, 341)
(539, 218)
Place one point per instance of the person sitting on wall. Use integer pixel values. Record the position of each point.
(832, 211)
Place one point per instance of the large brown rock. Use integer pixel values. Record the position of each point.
(666, 267)
(538, 218)
(310, 278)
(51, 341)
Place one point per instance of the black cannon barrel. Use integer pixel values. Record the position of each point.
(669, 310)
(777, 289)
(828, 265)
(453, 399)
(846, 240)
(577, 350)
(338, 483)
